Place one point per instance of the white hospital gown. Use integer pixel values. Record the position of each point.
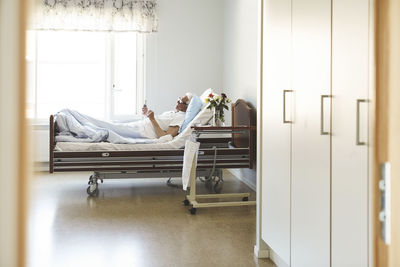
(165, 120)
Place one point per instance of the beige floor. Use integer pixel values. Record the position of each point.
(135, 222)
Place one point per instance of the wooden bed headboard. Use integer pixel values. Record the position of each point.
(244, 115)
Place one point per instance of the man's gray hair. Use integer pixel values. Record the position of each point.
(189, 96)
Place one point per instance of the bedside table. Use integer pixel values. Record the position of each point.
(224, 147)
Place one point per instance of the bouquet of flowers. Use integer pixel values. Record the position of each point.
(218, 103)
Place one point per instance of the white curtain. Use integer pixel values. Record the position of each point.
(96, 15)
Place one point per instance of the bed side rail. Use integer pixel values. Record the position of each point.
(145, 153)
(147, 160)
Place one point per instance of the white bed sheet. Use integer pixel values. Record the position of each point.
(74, 146)
(178, 142)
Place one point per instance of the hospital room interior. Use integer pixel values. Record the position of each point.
(199, 133)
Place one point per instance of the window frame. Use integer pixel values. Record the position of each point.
(108, 110)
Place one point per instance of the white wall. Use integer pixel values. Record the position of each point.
(202, 44)
(240, 59)
(41, 145)
(240, 49)
(186, 52)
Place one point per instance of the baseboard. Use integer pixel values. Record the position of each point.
(41, 166)
(267, 252)
(238, 175)
(277, 260)
(261, 253)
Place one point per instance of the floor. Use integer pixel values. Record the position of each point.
(135, 222)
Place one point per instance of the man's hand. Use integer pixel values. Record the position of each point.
(150, 115)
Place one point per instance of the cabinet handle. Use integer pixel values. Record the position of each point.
(322, 114)
(358, 142)
(284, 106)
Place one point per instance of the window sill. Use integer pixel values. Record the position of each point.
(37, 124)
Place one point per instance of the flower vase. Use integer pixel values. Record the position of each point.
(217, 120)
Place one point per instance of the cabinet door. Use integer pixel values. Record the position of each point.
(310, 204)
(350, 161)
(276, 134)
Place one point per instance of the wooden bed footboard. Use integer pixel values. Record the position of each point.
(244, 115)
(51, 144)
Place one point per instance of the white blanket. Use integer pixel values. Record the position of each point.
(189, 162)
(76, 127)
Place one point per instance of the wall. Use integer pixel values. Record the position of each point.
(240, 49)
(41, 146)
(185, 54)
(240, 59)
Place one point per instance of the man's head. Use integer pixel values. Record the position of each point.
(183, 102)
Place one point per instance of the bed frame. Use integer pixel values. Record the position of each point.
(215, 154)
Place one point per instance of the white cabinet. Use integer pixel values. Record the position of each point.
(310, 215)
(277, 135)
(350, 49)
(315, 136)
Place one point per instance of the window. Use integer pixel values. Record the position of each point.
(100, 74)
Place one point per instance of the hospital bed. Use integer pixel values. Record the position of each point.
(118, 161)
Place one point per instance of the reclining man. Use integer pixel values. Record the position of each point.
(76, 127)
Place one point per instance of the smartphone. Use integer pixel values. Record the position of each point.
(144, 106)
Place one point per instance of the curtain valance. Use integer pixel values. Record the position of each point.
(96, 15)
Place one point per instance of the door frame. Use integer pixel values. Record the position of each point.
(387, 126)
(14, 165)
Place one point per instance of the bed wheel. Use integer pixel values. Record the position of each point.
(192, 211)
(245, 199)
(92, 189)
(218, 187)
(186, 202)
(91, 178)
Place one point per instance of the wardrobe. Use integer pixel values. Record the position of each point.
(315, 142)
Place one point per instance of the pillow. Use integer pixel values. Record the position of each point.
(194, 107)
(205, 94)
(204, 116)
